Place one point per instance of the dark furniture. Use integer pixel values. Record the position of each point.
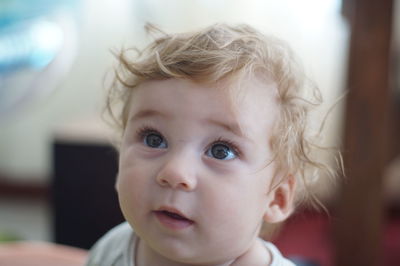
(85, 203)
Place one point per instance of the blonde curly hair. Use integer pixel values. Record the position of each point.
(222, 51)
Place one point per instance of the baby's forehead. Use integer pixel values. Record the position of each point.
(255, 89)
(239, 100)
(233, 90)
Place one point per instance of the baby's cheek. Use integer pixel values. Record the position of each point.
(221, 204)
(135, 181)
(129, 184)
(129, 195)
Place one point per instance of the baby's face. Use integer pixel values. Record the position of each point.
(193, 180)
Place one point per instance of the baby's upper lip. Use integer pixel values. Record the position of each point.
(172, 210)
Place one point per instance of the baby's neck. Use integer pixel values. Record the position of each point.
(258, 254)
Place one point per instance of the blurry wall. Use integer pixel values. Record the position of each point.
(314, 29)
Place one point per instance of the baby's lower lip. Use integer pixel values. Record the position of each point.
(171, 222)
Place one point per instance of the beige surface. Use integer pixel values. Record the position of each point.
(40, 253)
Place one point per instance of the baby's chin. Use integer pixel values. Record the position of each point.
(184, 256)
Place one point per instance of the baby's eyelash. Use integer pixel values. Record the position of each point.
(144, 131)
(230, 143)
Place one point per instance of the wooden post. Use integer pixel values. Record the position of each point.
(359, 210)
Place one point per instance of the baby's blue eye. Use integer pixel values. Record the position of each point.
(155, 140)
(221, 151)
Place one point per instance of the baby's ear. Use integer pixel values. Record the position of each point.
(281, 201)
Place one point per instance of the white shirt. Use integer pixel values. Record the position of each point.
(117, 247)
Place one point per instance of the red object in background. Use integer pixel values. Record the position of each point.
(308, 235)
(391, 241)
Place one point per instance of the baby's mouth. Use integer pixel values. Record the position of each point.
(173, 215)
(173, 219)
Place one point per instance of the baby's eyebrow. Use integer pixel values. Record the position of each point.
(233, 127)
(147, 113)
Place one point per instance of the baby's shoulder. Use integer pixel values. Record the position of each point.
(113, 247)
(119, 234)
(277, 259)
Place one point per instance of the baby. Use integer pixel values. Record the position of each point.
(213, 146)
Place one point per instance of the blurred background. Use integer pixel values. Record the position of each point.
(57, 167)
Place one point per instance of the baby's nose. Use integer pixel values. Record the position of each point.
(178, 173)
